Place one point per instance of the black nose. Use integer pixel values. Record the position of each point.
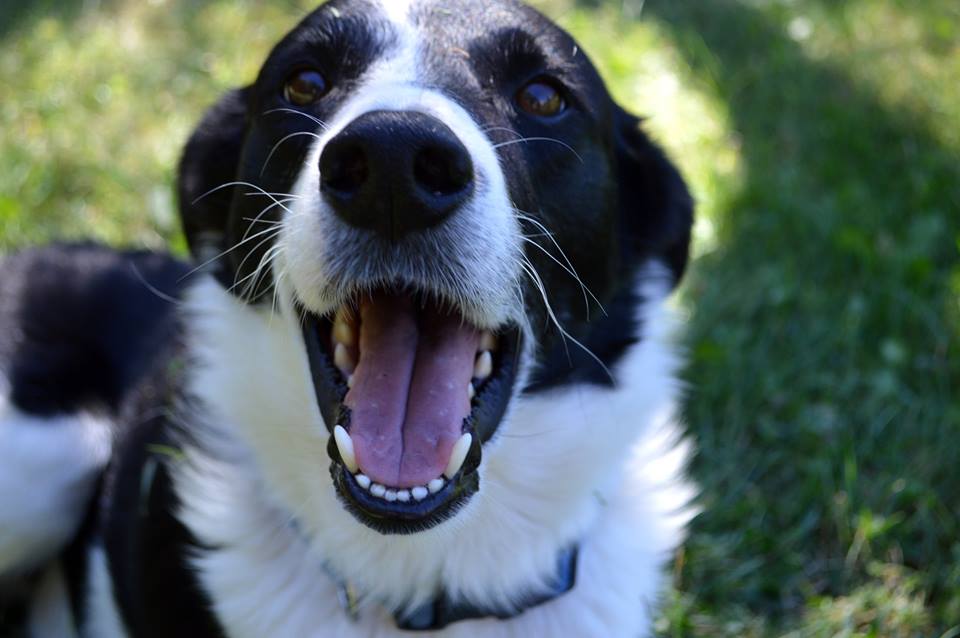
(395, 172)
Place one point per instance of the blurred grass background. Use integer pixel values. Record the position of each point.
(821, 141)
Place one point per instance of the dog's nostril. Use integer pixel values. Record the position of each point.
(343, 168)
(442, 172)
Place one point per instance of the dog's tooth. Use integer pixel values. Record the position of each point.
(378, 490)
(343, 332)
(458, 456)
(483, 365)
(390, 495)
(363, 481)
(487, 341)
(403, 495)
(435, 485)
(345, 445)
(471, 391)
(350, 381)
(343, 359)
(419, 493)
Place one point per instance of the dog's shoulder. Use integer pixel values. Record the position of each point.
(82, 323)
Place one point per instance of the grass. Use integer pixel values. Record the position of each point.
(820, 138)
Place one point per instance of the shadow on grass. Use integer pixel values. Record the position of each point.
(16, 15)
(824, 334)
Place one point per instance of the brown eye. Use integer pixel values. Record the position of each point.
(305, 87)
(541, 99)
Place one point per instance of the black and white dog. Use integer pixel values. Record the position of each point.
(423, 379)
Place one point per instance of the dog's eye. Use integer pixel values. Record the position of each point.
(541, 98)
(305, 87)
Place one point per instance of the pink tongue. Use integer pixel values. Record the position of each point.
(409, 394)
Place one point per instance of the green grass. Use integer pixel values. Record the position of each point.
(821, 140)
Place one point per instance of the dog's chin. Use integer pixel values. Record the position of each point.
(410, 392)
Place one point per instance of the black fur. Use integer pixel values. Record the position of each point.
(82, 324)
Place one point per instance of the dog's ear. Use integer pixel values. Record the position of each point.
(657, 208)
(210, 160)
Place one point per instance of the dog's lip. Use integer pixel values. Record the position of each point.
(406, 511)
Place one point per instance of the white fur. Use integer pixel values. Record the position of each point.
(571, 466)
(48, 469)
(103, 617)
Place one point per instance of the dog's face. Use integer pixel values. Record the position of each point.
(456, 211)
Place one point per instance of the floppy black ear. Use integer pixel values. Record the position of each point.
(210, 160)
(656, 206)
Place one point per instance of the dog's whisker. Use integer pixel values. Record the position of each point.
(280, 143)
(258, 218)
(573, 271)
(153, 289)
(277, 195)
(226, 252)
(538, 282)
(524, 140)
(586, 291)
(313, 119)
(266, 266)
(275, 302)
(254, 278)
(213, 190)
(243, 239)
(271, 234)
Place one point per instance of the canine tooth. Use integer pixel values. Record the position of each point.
(345, 445)
(458, 456)
(419, 493)
(342, 358)
(471, 391)
(435, 485)
(390, 495)
(378, 490)
(350, 381)
(362, 480)
(343, 333)
(483, 366)
(487, 341)
(403, 495)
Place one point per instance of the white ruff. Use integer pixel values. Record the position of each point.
(48, 469)
(587, 465)
(102, 617)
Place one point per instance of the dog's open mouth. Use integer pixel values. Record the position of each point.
(410, 391)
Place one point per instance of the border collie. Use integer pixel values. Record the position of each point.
(420, 379)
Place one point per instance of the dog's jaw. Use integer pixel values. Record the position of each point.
(544, 485)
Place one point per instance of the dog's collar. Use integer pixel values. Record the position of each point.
(442, 610)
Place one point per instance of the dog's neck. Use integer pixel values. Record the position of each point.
(544, 488)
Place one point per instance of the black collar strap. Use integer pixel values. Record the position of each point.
(443, 611)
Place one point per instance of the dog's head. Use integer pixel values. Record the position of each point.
(448, 201)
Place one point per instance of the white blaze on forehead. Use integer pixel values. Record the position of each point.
(399, 64)
(397, 11)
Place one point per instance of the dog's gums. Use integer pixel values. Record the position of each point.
(411, 390)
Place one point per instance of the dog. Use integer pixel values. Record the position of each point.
(419, 378)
